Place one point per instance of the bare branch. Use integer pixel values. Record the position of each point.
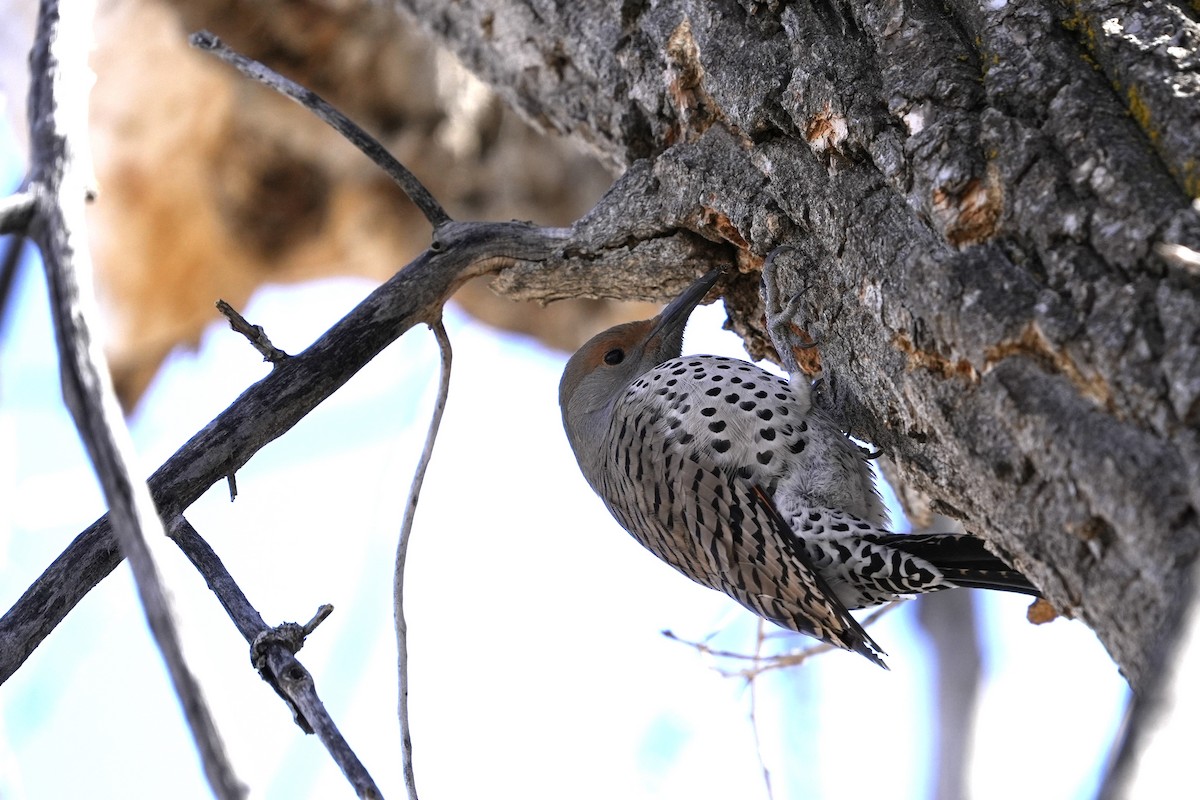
(16, 210)
(410, 510)
(412, 187)
(297, 683)
(273, 653)
(59, 182)
(206, 561)
(765, 663)
(322, 614)
(254, 333)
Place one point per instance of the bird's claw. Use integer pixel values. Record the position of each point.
(780, 323)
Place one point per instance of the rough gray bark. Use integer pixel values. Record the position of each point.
(977, 191)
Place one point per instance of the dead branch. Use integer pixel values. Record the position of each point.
(273, 652)
(59, 186)
(760, 663)
(253, 333)
(412, 187)
(16, 211)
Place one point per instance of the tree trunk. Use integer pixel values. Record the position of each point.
(984, 199)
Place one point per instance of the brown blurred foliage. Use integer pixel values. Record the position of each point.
(211, 185)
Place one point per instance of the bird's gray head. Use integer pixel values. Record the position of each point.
(600, 372)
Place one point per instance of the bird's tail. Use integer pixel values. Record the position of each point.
(962, 559)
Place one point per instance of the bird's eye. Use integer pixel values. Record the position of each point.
(614, 356)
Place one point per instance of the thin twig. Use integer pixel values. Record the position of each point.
(759, 639)
(274, 656)
(296, 682)
(410, 510)
(322, 614)
(206, 561)
(416, 191)
(761, 664)
(707, 650)
(59, 180)
(254, 333)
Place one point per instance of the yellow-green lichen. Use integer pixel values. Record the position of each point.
(1191, 178)
(1079, 23)
(1141, 114)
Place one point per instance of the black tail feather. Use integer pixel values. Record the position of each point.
(963, 559)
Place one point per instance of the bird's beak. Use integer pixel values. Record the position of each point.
(674, 317)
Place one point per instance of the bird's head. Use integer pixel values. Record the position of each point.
(600, 372)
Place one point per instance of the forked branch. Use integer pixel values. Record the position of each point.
(273, 652)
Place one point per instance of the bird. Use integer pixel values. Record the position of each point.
(729, 474)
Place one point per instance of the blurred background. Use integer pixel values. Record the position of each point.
(539, 666)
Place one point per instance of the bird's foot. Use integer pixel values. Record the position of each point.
(781, 315)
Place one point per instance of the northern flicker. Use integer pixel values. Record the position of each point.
(729, 474)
